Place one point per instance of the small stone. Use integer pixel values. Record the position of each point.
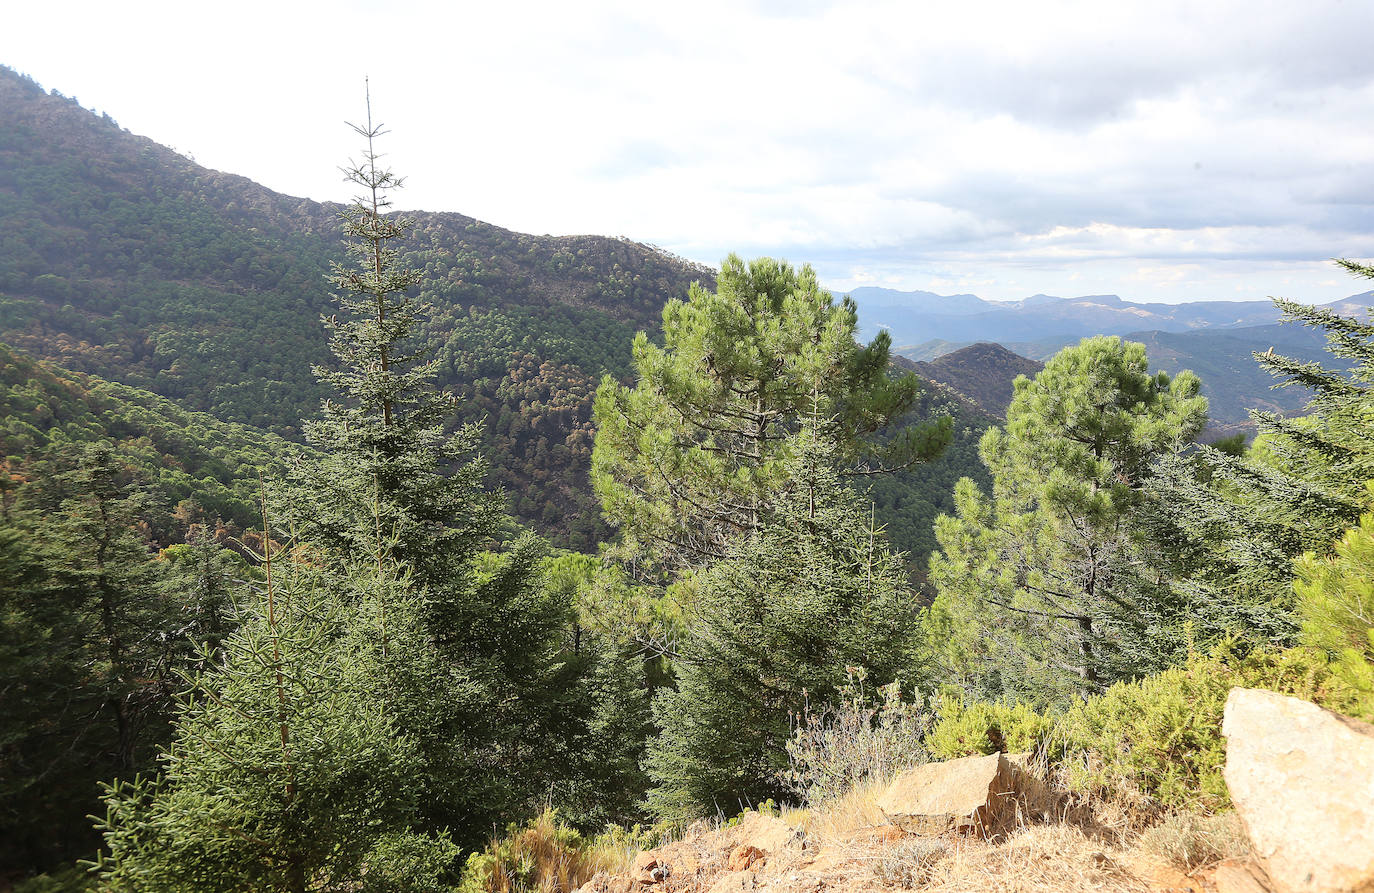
(744, 856)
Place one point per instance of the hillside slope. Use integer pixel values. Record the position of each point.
(123, 259)
(982, 372)
(200, 467)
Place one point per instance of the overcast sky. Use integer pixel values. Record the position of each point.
(1160, 151)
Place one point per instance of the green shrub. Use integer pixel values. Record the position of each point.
(966, 729)
(1336, 600)
(1158, 741)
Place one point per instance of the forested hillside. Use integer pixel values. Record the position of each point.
(201, 469)
(121, 258)
(982, 372)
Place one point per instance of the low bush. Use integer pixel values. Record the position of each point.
(546, 856)
(1336, 601)
(970, 728)
(859, 742)
(1157, 741)
(1189, 842)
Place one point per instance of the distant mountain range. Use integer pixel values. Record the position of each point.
(916, 317)
(1215, 339)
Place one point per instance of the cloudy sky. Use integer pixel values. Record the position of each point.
(1160, 151)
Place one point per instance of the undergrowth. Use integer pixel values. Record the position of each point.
(1157, 741)
(860, 741)
(546, 856)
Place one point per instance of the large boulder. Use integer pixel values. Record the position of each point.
(972, 795)
(1302, 780)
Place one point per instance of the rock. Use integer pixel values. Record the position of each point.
(1163, 878)
(1302, 780)
(972, 795)
(766, 832)
(1236, 877)
(735, 882)
(744, 856)
(648, 870)
(604, 883)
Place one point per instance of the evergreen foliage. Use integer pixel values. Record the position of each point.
(288, 771)
(1157, 741)
(1232, 525)
(383, 444)
(776, 624)
(1045, 589)
(202, 469)
(501, 714)
(1336, 604)
(696, 453)
(88, 644)
(966, 728)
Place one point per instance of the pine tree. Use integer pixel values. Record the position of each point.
(199, 580)
(289, 771)
(53, 742)
(778, 622)
(695, 454)
(1044, 588)
(103, 560)
(394, 484)
(384, 440)
(91, 637)
(1232, 525)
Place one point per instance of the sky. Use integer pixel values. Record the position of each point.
(1160, 151)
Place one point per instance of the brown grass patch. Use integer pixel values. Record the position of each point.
(1038, 859)
(1191, 842)
(542, 857)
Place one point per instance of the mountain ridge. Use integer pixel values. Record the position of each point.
(915, 317)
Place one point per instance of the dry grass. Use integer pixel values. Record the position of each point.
(1191, 842)
(851, 813)
(544, 857)
(909, 862)
(1038, 859)
(1078, 843)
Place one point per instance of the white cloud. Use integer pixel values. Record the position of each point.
(1162, 150)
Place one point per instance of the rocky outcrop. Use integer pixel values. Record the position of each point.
(1302, 780)
(973, 795)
